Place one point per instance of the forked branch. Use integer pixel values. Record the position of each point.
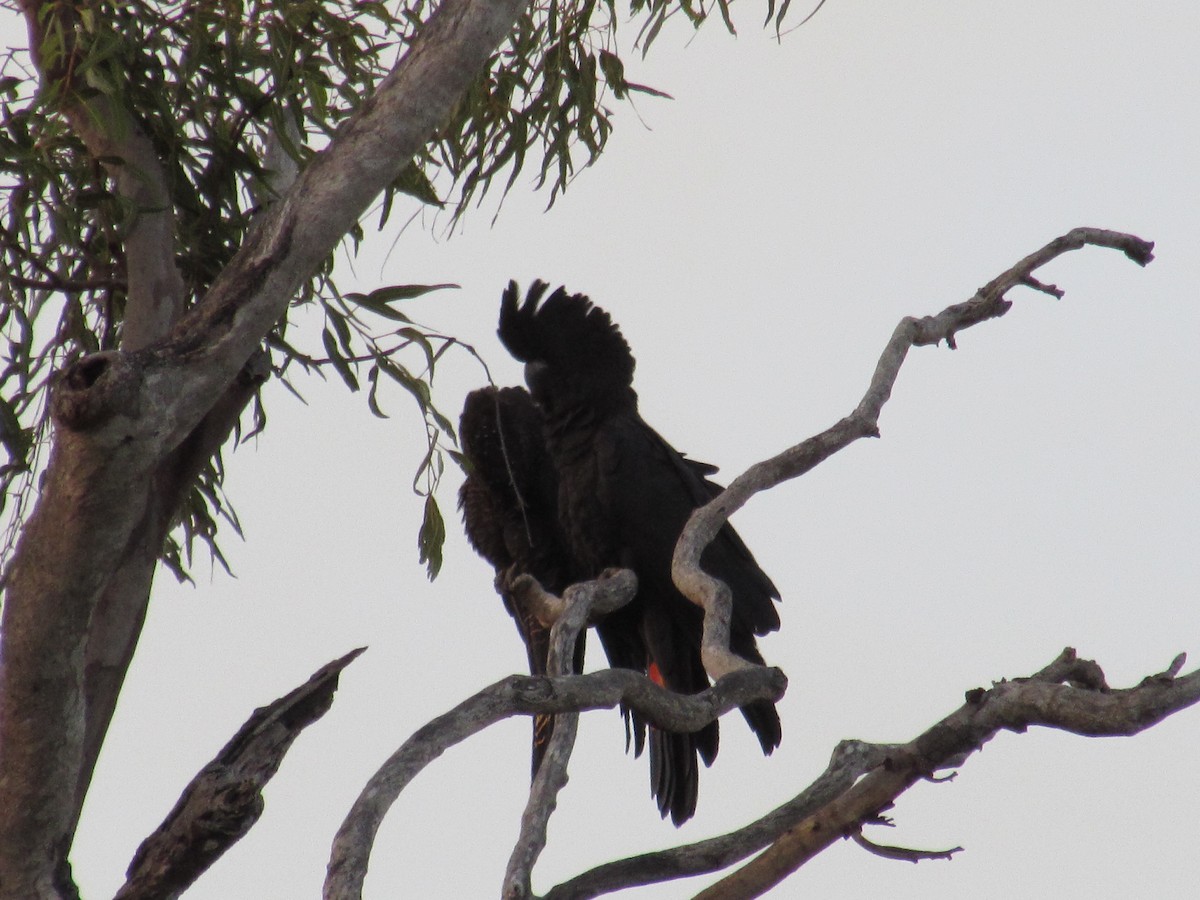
(1048, 698)
(579, 604)
(989, 302)
(528, 695)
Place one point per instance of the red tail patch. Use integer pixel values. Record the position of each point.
(656, 675)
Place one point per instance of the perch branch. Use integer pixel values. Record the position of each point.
(525, 695)
(614, 589)
(225, 799)
(989, 302)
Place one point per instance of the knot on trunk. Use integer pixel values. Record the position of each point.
(93, 389)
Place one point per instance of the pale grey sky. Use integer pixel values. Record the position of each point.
(757, 239)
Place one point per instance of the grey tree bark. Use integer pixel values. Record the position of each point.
(130, 425)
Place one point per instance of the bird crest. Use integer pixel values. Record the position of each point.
(584, 355)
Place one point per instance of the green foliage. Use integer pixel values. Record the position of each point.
(216, 85)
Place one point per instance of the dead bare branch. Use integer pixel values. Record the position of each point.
(580, 603)
(905, 854)
(1070, 694)
(989, 302)
(225, 799)
(849, 762)
(1047, 700)
(526, 695)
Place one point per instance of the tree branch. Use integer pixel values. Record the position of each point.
(1008, 705)
(849, 762)
(613, 590)
(713, 596)
(154, 286)
(225, 799)
(366, 154)
(121, 610)
(989, 302)
(525, 695)
(1069, 694)
(901, 853)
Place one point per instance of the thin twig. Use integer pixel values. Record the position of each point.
(905, 854)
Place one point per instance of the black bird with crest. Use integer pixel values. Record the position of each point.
(509, 504)
(623, 497)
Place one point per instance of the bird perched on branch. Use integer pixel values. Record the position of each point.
(624, 496)
(509, 504)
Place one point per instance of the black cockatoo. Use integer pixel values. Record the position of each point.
(624, 496)
(509, 504)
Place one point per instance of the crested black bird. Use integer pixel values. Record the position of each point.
(509, 504)
(624, 497)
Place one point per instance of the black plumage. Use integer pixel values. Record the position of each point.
(510, 514)
(624, 497)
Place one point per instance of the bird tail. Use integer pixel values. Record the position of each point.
(674, 774)
(674, 771)
(761, 715)
(763, 719)
(543, 723)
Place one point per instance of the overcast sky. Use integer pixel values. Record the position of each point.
(757, 238)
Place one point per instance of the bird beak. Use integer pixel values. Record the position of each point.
(536, 373)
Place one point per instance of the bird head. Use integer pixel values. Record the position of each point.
(501, 434)
(574, 354)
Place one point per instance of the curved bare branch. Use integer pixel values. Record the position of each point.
(528, 695)
(989, 302)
